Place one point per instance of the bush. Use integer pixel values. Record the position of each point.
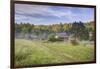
(52, 38)
(74, 42)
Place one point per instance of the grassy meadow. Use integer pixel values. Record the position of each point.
(28, 52)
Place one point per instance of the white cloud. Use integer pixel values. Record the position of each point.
(42, 10)
(39, 13)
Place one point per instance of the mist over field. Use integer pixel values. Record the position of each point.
(50, 44)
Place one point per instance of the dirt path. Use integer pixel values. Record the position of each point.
(58, 53)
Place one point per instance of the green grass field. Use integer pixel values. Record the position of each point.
(38, 52)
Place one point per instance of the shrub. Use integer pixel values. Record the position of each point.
(51, 37)
(74, 42)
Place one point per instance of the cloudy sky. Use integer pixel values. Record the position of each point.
(44, 14)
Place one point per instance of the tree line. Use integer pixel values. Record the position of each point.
(78, 30)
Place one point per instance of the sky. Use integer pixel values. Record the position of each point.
(47, 15)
